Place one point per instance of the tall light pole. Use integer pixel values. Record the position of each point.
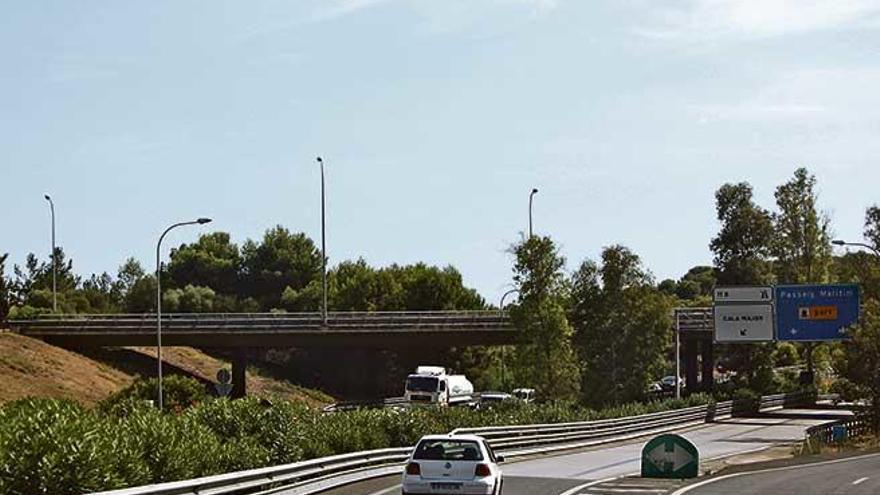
(199, 221)
(323, 246)
(838, 242)
(531, 195)
(54, 263)
(501, 311)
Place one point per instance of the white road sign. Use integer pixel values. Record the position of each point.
(743, 294)
(744, 323)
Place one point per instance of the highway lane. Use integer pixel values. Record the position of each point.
(560, 473)
(852, 476)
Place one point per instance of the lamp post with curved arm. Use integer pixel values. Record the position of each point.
(501, 313)
(323, 246)
(838, 242)
(199, 221)
(531, 195)
(54, 262)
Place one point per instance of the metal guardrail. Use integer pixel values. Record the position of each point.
(415, 320)
(823, 434)
(272, 479)
(317, 475)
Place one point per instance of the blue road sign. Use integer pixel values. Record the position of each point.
(815, 312)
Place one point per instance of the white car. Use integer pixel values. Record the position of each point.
(452, 464)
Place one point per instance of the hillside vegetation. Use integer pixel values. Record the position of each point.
(32, 368)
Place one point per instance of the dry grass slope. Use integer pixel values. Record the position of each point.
(30, 367)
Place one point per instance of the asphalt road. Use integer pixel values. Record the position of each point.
(856, 475)
(563, 474)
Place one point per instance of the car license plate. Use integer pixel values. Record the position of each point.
(446, 486)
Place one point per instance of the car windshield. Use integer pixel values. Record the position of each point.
(421, 384)
(448, 450)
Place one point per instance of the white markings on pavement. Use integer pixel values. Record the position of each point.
(599, 489)
(688, 488)
(860, 480)
(577, 489)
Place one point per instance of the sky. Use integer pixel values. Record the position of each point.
(435, 120)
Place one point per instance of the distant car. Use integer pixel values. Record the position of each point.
(452, 464)
(524, 394)
(655, 387)
(489, 398)
(669, 382)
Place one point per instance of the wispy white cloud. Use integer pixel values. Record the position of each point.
(828, 96)
(713, 20)
(434, 16)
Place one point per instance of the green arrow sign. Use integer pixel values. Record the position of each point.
(670, 456)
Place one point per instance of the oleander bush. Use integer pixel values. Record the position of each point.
(58, 447)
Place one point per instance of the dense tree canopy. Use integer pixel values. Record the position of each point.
(801, 242)
(544, 359)
(621, 324)
(742, 246)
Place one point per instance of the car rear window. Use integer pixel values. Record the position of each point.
(448, 450)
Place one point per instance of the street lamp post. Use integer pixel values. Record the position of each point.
(501, 312)
(531, 195)
(323, 246)
(54, 263)
(838, 242)
(199, 221)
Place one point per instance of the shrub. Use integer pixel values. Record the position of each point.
(57, 447)
(178, 393)
(53, 446)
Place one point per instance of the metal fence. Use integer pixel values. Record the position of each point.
(838, 431)
(314, 476)
(343, 320)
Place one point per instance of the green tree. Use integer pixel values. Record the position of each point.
(802, 243)
(621, 326)
(190, 299)
(742, 251)
(859, 364)
(141, 296)
(742, 246)
(281, 260)
(872, 226)
(213, 261)
(544, 359)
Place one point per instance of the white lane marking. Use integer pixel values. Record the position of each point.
(575, 490)
(688, 488)
(387, 490)
(627, 485)
(860, 480)
(602, 489)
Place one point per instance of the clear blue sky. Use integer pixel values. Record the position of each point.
(435, 118)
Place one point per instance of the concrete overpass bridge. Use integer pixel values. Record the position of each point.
(244, 331)
(357, 330)
(343, 329)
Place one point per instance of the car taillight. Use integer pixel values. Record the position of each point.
(413, 469)
(482, 471)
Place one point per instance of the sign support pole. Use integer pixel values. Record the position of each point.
(677, 356)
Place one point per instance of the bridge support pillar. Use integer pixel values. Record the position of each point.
(239, 366)
(690, 365)
(708, 357)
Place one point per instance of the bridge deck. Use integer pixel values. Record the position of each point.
(348, 329)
